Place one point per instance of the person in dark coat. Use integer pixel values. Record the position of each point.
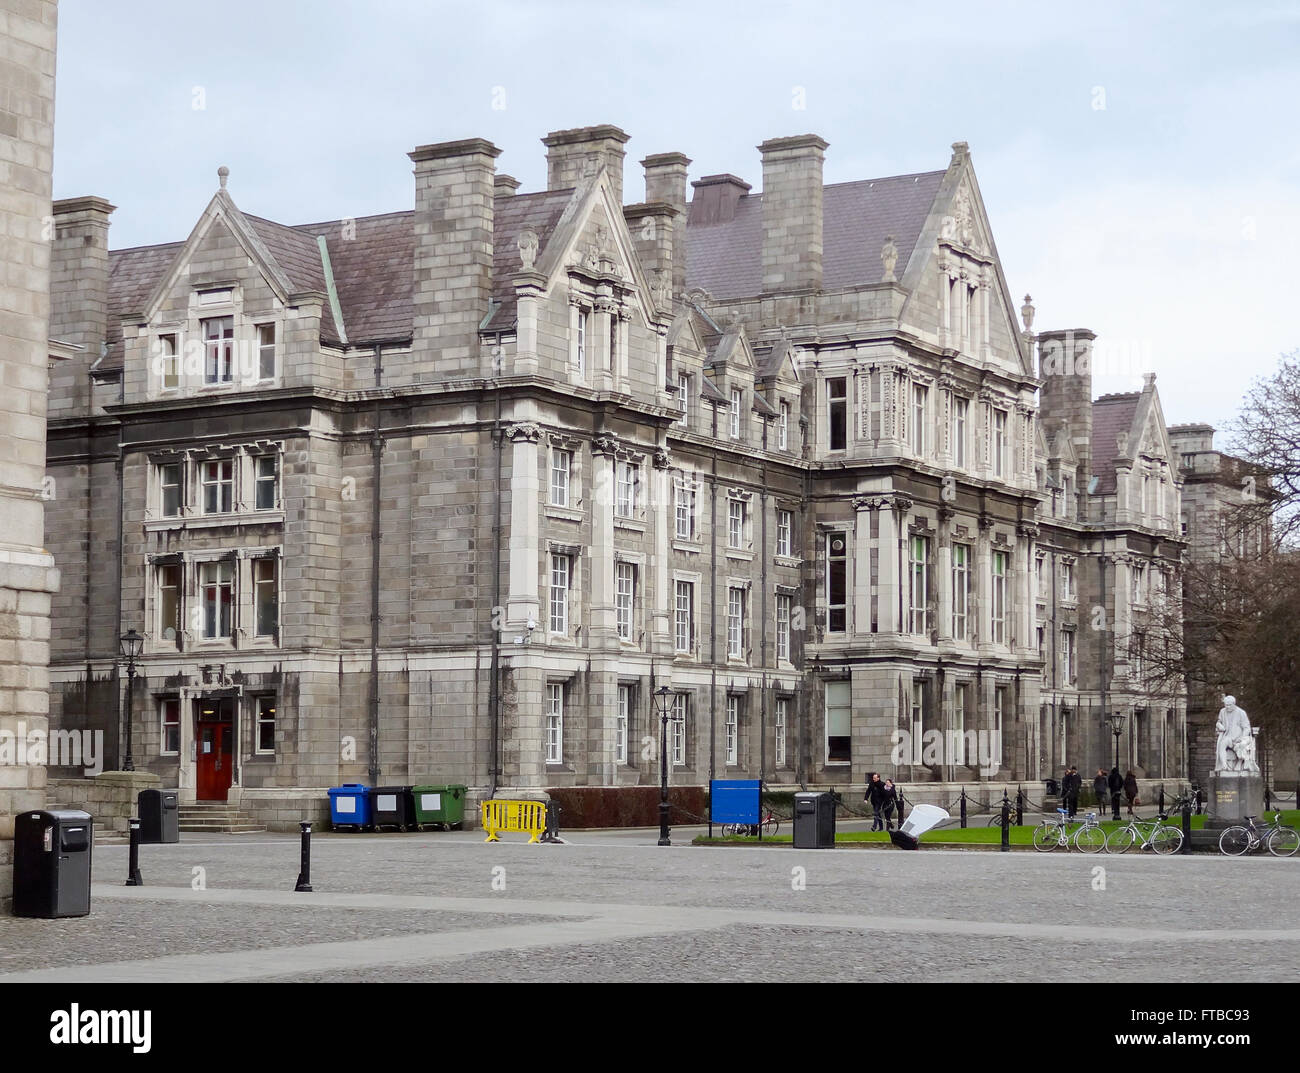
(875, 797)
(1131, 791)
(1116, 785)
(1070, 785)
(892, 804)
(1099, 789)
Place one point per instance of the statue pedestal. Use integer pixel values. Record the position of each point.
(1234, 795)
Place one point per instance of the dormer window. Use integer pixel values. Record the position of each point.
(219, 349)
(169, 362)
(683, 397)
(581, 357)
(736, 399)
(783, 427)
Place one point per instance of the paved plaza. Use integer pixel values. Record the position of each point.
(613, 906)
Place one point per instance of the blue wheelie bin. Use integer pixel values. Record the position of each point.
(350, 806)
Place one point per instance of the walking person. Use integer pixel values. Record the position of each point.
(1131, 791)
(875, 797)
(1116, 785)
(1099, 789)
(890, 804)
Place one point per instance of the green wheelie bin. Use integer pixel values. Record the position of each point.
(441, 805)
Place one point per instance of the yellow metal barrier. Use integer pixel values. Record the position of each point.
(525, 816)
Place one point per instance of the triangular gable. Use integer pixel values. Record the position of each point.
(1148, 433)
(553, 260)
(220, 208)
(958, 212)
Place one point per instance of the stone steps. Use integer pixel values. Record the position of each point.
(217, 818)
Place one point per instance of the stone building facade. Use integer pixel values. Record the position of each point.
(447, 494)
(27, 572)
(1215, 486)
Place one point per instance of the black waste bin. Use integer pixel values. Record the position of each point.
(52, 863)
(1052, 787)
(160, 816)
(392, 806)
(814, 820)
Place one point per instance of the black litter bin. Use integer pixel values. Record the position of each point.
(1052, 786)
(52, 863)
(392, 806)
(160, 816)
(814, 821)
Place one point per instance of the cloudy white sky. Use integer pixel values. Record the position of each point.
(1140, 162)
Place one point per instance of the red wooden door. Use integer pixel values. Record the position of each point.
(214, 749)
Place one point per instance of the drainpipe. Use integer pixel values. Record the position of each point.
(1102, 660)
(762, 636)
(713, 600)
(494, 686)
(120, 468)
(376, 454)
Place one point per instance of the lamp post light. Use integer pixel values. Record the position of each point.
(1117, 728)
(131, 645)
(663, 697)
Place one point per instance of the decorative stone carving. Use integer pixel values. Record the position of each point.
(604, 445)
(1235, 747)
(524, 432)
(889, 258)
(1028, 530)
(527, 243)
(902, 502)
(662, 459)
(1027, 313)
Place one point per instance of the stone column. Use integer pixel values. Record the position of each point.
(27, 573)
(522, 601)
(862, 508)
(943, 580)
(604, 628)
(887, 550)
(661, 638)
(530, 288)
(984, 584)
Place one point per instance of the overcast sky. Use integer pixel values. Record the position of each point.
(1140, 163)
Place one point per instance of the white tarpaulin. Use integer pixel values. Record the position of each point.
(922, 819)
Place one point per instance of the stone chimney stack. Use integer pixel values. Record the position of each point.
(665, 183)
(1065, 365)
(715, 198)
(573, 155)
(454, 196)
(78, 297)
(792, 214)
(506, 185)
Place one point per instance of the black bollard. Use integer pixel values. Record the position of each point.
(133, 861)
(1020, 808)
(1187, 826)
(304, 876)
(963, 808)
(1006, 824)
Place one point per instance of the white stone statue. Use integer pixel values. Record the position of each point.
(1235, 749)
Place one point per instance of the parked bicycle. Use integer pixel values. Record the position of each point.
(769, 823)
(1159, 834)
(1088, 838)
(1281, 840)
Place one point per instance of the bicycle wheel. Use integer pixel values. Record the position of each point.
(1047, 836)
(770, 827)
(1234, 841)
(1089, 839)
(1283, 842)
(1120, 839)
(1167, 839)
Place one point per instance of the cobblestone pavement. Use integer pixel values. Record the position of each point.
(613, 906)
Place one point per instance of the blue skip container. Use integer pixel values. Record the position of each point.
(350, 806)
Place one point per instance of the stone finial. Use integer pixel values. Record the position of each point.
(527, 243)
(223, 173)
(889, 258)
(1149, 380)
(1027, 313)
(1121, 445)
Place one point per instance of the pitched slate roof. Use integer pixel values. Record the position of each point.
(726, 258)
(372, 259)
(1111, 415)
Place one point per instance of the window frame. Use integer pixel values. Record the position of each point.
(625, 601)
(561, 477)
(218, 350)
(553, 734)
(683, 616)
(785, 533)
(838, 685)
(837, 563)
(736, 622)
(731, 730)
(169, 725)
(558, 606)
(784, 610)
(961, 589)
(837, 413)
(222, 489)
(998, 596)
(212, 607)
(260, 721)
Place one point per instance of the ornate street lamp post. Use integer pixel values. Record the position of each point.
(131, 645)
(663, 697)
(1116, 722)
